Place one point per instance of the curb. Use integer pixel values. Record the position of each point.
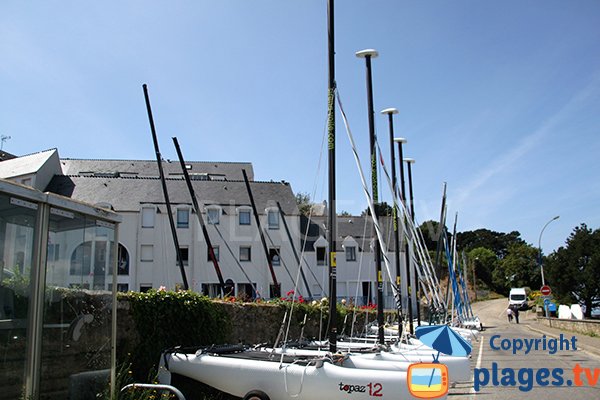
(592, 351)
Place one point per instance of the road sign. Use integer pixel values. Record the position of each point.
(546, 302)
(545, 290)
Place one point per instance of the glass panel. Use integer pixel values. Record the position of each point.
(244, 217)
(320, 255)
(76, 329)
(147, 217)
(245, 254)
(273, 220)
(17, 225)
(183, 218)
(213, 216)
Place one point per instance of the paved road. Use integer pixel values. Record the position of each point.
(525, 367)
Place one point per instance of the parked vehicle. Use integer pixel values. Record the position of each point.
(517, 298)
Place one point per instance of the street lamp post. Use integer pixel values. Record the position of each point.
(540, 249)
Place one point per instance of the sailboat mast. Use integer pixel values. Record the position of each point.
(415, 282)
(276, 292)
(368, 55)
(289, 235)
(164, 188)
(390, 113)
(331, 186)
(211, 249)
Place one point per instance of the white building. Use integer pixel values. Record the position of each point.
(147, 257)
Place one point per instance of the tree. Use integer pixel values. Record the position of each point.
(304, 203)
(573, 271)
(383, 210)
(431, 233)
(518, 268)
(498, 242)
(344, 214)
(484, 261)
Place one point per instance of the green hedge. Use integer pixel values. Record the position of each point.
(166, 319)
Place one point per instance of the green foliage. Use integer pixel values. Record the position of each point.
(431, 234)
(497, 242)
(383, 209)
(518, 268)
(574, 271)
(304, 203)
(484, 261)
(166, 319)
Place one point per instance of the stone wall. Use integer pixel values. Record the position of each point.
(251, 323)
(587, 327)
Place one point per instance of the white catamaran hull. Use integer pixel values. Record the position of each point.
(317, 380)
(459, 368)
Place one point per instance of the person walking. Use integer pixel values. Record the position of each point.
(516, 314)
(509, 314)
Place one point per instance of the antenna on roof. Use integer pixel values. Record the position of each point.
(3, 139)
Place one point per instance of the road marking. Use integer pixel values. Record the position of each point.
(478, 365)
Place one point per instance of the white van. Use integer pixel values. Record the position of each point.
(517, 298)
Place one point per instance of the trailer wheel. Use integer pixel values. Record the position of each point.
(256, 395)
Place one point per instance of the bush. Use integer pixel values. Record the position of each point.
(166, 319)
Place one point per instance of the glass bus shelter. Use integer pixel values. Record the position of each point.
(57, 296)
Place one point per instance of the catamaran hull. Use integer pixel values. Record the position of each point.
(459, 368)
(239, 376)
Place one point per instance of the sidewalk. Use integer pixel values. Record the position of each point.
(585, 343)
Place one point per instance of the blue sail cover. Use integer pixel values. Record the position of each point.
(443, 339)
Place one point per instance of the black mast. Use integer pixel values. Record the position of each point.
(289, 235)
(368, 55)
(405, 237)
(331, 199)
(409, 162)
(211, 250)
(164, 188)
(276, 291)
(390, 112)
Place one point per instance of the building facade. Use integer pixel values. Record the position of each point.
(249, 263)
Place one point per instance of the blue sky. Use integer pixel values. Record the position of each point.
(498, 99)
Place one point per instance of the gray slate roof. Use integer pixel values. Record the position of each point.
(28, 164)
(231, 170)
(127, 194)
(347, 226)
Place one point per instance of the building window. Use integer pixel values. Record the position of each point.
(275, 291)
(185, 255)
(245, 217)
(146, 252)
(273, 218)
(245, 253)
(53, 252)
(274, 256)
(144, 287)
(122, 261)
(350, 253)
(216, 250)
(183, 218)
(213, 216)
(147, 217)
(320, 255)
(122, 287)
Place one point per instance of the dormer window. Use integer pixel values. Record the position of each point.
(183, 218)
(244, 215)
(273, 219)
(213, 215)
